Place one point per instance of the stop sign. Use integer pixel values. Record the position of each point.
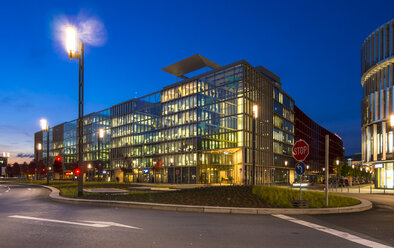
(300, 150)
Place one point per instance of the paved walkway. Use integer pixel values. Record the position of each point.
(362, 189)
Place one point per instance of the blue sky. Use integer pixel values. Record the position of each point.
(314, 46)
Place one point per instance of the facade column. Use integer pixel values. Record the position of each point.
(368, 142)
(363, 151)
(375, 142)
(384, 140)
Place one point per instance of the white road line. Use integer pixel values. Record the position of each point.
(8, 189)
(113, 224)
(334, 232)
(91, 224)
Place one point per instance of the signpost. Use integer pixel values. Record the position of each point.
(300, 152)
(300, 169)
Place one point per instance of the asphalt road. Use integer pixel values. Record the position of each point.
(28, 218)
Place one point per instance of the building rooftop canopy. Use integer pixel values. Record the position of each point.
(190, 64)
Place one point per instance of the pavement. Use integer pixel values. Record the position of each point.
(29, 218)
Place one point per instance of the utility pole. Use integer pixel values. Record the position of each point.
(327, 161)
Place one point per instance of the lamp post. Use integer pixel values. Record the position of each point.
(73, 53)
(100, 138)
(255, 116)
(172, 165)
(45, 127)
(337, 162)
(89, 170)
(39, 148)
(307, 172)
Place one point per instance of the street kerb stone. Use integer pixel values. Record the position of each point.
(363, 206)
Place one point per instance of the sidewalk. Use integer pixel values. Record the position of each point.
(361, 189)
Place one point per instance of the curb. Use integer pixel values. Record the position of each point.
(363, 206)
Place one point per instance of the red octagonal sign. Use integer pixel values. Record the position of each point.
(300, 150)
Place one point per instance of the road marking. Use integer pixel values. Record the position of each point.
(90, 223)
(113, 224)
(334, 232)
(8, 189)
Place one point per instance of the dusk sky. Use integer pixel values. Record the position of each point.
(313, 46)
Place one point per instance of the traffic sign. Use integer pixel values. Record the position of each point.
(300, 168)
(300, 150)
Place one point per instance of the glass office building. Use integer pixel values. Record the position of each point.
(377, 106)
(314, 135)
(198, 130)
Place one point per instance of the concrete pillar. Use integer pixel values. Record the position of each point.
(363, 151)
(384, 140)
(368, 143)
(375, 142)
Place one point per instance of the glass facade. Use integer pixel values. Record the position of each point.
(377, 106)
(314, 135)
(196, 131)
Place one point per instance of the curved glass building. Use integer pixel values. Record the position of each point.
(377, 106)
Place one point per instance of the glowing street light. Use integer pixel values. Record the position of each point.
(71, 42)
(101, 133)
(44, 125)
(392, 120)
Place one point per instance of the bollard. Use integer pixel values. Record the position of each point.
(348, 189)
(384, 190)
(359, 189)
(341, 189)
(370, 189)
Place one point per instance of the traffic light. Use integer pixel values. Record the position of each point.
(57, 165)
(77, 171)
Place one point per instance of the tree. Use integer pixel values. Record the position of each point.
(42, 169)
(24, 169)
(58, 165)
(13, 170)
(32, 167)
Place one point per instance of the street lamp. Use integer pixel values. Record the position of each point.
(100, 138)
(337, 162)
(255, 116)
(45, 128)
(172, 165)
(73, 53)
(392, 120)
(39, 148)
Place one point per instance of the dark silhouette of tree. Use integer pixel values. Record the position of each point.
(42, 169)
(13, 170)
(32, 167)
(24, 169)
